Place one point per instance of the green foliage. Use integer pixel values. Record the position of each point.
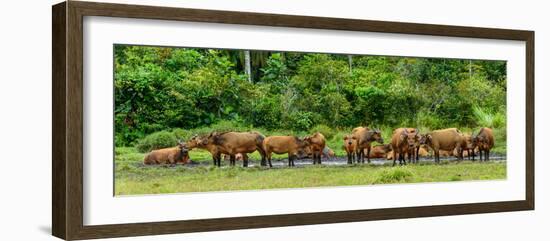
(183, 89)
(489, 119)
(328, 132)
(157, 140)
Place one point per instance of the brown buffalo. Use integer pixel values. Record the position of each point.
(350, 145)
(364, 137)
(446, 140)
(172, 155)
(328, 153)
(484, 141)
(404, 143)
(238, 157)
(317, 144)
(423, 151)
(379, 151)
(206, 142)
(292, 145)
(466, 147)
(230, 143)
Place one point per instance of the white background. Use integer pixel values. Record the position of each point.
(25, 123)
(100, 207)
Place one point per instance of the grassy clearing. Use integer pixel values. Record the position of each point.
(134, 179)
(124, 154)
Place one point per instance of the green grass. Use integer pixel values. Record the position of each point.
(132, 178)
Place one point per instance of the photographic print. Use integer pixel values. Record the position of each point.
(204, 119)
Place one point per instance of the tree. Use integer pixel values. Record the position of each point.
(247, 67)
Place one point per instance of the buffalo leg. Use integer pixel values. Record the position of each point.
(368, 155)
(231, 160)
(349, 158)
(289, 159)
(263, 155)
(416, 154)
(486, 155)
(268, 157)
(320, 157)
(245, 160)
(394, 158)
(481, 155)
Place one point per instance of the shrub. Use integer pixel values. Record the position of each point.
(328, 132)
(157, 140)
(299, 120)
(393, 175)
(227, 126)
(488, 119)
(182, 134)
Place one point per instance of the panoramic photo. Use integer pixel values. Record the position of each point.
(205, 120)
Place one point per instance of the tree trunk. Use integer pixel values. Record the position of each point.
(247, 67)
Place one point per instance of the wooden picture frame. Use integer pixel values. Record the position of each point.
(67, 123)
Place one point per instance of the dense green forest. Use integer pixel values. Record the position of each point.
(159, 88)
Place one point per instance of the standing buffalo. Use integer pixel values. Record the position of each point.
(317, 144)
(364, 137)
(172, 155)
(292, 145)
(404, 142)
(206, 142)
(446, 139)
(484, 141)
(350, 144)
(466, 147)
(230, 143)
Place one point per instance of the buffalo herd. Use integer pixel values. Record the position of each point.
(406, 144)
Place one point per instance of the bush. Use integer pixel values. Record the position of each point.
(328, 132)
(299, 120)
(487, 119)
(393, 175)
(157, 140)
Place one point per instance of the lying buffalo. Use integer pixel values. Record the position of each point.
(422, 151)
(350, 144)
(446, 140)
(292, 145)
(364, 137)
(404, 142)
(172, 155)
(317, 144)
(484, 141)
(230, 143)
(380, 151)
(327, 153)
